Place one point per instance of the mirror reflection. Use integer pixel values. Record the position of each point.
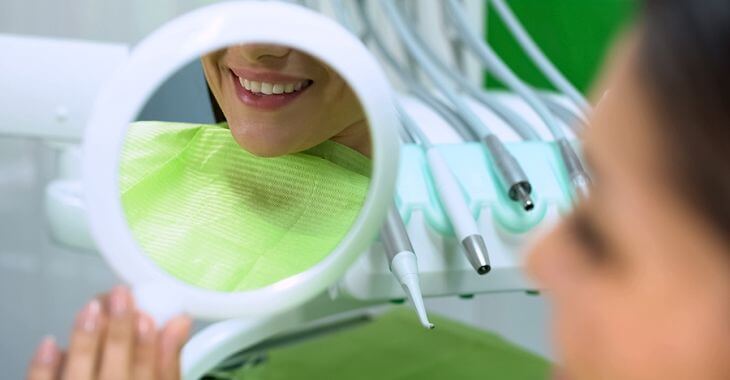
(260, 185)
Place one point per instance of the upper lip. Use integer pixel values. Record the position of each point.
(265, 76)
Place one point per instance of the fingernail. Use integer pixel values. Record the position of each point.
(119, 301)
(176, 336)
(185, 325)
(89, 316)
(47, 351)
(145, 328)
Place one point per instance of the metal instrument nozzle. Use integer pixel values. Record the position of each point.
(476, 252)
(520, 193)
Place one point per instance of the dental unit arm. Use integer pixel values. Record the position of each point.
(52, 105)
(48, 98)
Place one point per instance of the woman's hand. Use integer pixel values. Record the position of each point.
(112, 340)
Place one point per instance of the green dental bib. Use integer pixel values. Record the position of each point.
(218, 217)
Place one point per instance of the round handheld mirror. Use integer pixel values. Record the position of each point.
(236, 169)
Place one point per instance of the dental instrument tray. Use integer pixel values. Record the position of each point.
(504, 224)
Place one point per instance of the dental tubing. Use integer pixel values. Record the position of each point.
(578, 176)
(512, 176)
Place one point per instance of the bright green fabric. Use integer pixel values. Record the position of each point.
(396, 347)
(216, 216)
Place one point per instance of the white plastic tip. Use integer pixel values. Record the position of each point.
(405, 269)
(413, 290)
(424, 318)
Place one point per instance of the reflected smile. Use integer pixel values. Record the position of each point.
(267, 90)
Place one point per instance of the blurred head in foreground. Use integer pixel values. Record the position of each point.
(639, 274)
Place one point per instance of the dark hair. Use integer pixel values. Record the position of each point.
(684, 60)
(218, 115)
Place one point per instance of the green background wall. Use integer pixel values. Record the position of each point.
(574, 34)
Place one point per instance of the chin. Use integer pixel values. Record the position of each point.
(262, 140)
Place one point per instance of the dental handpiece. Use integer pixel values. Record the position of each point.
(462, 220)
(452, 198)
(403, 262)
(511, 172)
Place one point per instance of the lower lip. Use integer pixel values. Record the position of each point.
(264, 102)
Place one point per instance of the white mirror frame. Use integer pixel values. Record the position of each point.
(157, 58)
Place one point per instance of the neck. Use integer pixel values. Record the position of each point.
(357, 137)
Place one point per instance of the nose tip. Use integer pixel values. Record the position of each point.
(545, 259)
(258, 52)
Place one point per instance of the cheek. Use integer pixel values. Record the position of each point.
(552, 262)
(587, 327)
(638, 324)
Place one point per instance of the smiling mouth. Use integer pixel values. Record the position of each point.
(269, 88)
(267, 91)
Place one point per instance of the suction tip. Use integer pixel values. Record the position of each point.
(425, 322)
(414, 293)
(405, 269)
(484, 269)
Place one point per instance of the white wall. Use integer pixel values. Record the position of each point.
(114, 21)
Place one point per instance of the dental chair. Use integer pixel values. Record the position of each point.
(368, 284)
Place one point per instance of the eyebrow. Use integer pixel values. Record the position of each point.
(598, 241)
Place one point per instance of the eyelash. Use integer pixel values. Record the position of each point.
(585, 233)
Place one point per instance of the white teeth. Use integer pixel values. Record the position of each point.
(267, 88)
